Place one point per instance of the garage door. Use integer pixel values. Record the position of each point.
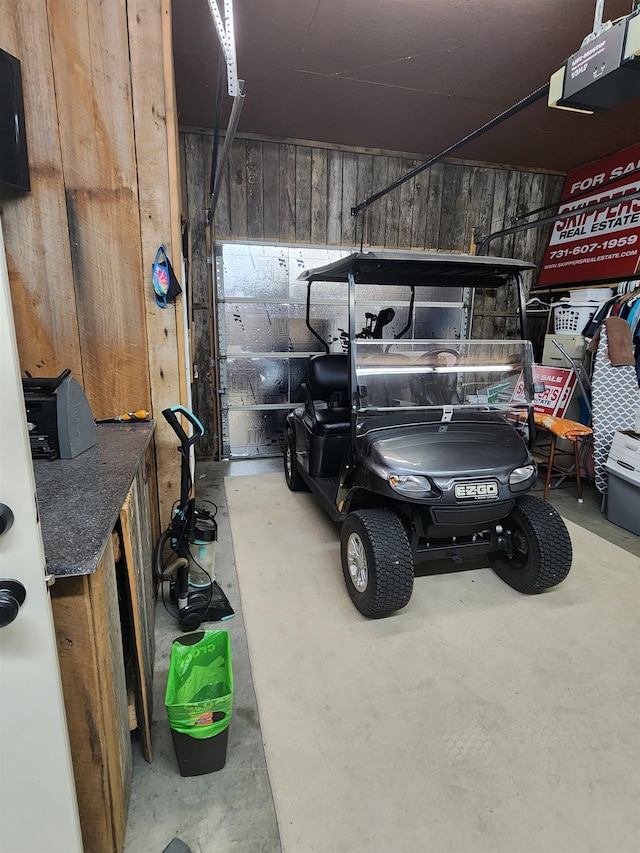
(263, 342)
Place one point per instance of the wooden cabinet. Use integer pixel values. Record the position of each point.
(87, 623)
(104, 622)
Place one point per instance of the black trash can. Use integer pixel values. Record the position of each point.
(199, 699)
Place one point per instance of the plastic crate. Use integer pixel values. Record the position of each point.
(571, 317)
(623, 498)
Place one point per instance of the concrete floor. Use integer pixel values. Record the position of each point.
(233, 810)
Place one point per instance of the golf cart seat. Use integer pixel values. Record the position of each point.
(388, 389)
(440, 389)
(326, 390)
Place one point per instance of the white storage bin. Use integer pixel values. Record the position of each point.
(571, 317)
(591, 294)
(625, 452)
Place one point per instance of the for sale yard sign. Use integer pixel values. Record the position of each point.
(603, 245)
(558, 382)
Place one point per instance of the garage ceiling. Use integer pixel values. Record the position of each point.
(404, 75)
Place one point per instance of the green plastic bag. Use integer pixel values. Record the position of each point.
(199, 693)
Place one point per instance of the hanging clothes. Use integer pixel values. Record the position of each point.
(618, 349)
(604, 311)
(625, 305)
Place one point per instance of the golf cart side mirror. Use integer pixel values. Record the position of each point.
(539, 387)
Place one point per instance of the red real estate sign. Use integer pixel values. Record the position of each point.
(604, 244)
(558, 382)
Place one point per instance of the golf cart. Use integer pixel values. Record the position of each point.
(420, 446)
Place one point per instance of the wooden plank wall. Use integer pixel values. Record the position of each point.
(199, 281)
(35, 227)
(101, 129)
(90, 56)
(155, 126)
(281, 191)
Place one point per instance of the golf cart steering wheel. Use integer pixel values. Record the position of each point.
(438, 389)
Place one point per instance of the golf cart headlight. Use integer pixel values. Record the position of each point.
(521, 475)
(411, 485)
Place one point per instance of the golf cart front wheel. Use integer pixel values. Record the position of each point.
(540, 551)
(377, 562)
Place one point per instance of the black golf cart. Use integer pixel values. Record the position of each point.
(420, 446)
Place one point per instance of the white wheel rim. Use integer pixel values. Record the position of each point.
(288, 461)
(357, 562)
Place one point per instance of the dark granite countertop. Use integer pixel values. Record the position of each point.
(80, 499)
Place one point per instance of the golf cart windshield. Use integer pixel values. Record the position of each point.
(425, 374)
(408, 336)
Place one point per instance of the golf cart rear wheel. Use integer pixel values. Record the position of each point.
(541, 550)
(377, 562)
(291, 473)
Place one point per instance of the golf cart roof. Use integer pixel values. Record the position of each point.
(420, 268)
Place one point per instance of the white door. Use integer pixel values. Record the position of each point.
(38, 810)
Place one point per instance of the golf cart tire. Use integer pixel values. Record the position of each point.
(545, 560)
(292, 475)
(388, 559)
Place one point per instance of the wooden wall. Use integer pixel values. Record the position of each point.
(102, 140)
(281, 191)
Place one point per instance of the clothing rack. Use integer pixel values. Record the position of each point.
(623, 304)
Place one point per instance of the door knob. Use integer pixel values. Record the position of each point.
(6, 518)
(12, 596)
